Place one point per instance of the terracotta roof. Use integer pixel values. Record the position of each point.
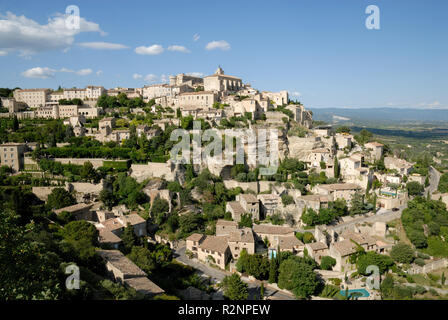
(242, 235)
(358, 237)
(226, 223)
(109, 224)
(119, 261)
(268, 229)
(375, 144)
(268, 197)
(345, 247)
(289, 242)
(195, 93)
(215, 243)
(236, 207)
(195, 237)
(144, 285)
(222, 76)
(315, 197)
(74, 208)
(106, 236)
(132, 218)
(249, 197)
(339, 186)
(317, 246)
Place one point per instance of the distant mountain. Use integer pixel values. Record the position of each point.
(379, 115)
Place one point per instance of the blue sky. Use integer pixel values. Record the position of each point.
(320, 50)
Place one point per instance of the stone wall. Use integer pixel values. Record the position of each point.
(435, 265)
(96, 162)
(140, 172)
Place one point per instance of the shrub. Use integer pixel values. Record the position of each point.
(420, 262)
(327, 263)
(402, 253)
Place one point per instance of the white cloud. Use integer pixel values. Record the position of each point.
(102, 45)
(221, 45)
(151, 78)
(19, 33)
(295, 94)
(196, 74)
(163, 78)
(82, 72)
(38, 72)
(178, 48)
(45, 73)
(3, 53)
(151, 50)
(137, 76)
(99, 72)
(196, 37)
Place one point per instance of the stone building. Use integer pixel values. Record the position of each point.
(272, 233)
(244, 204)
(337, 190)
(33, 98)
(221, 82)
(317, 250)
(11, 155)
(128, 274)
(80, 211)
(375, 150)
(210, 249)
(269, 203)
(201, 99)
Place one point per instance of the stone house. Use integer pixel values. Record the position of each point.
(337, 190)
(80, 211)
(224, 227)
(241, 239)
(317, 250)
(215, 249)
(272, 233)
(375, 150)
(269, 203)
(244, 204)
(128, 274)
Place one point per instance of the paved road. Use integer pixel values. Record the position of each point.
(217, 275)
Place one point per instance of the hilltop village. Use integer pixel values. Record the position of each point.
(93, 168)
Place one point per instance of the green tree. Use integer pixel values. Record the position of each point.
(128, 238)
(327, 263)
(372, 258)
(402, 253)
(414, 188)
(287, 199)
(108, 198)
(357, 204)
(60, 198)
(234, 287)
(246, 221)
(87, 171)
(336, 169)
(80, 230)
(28, 269)
(15, 123)
(296, 275)
(273, 271)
